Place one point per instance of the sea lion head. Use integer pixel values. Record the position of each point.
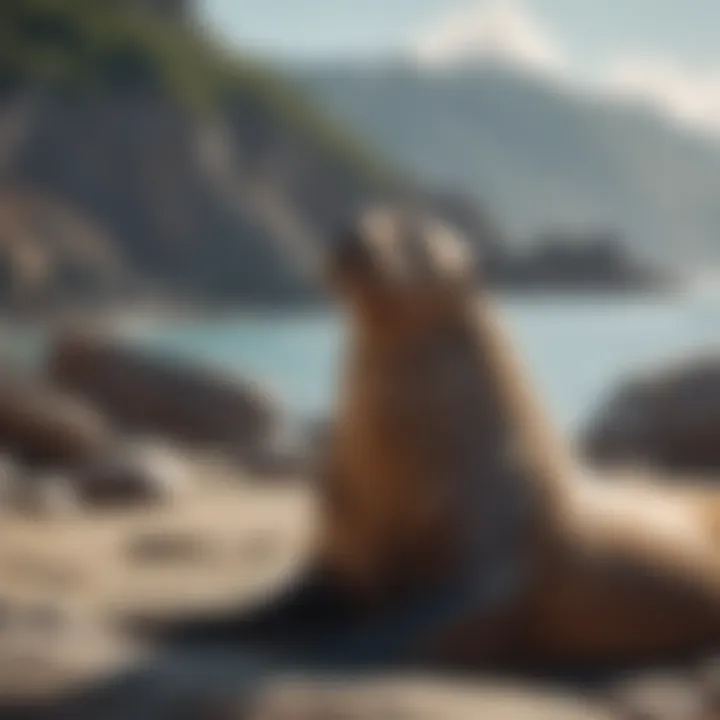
(400, 263)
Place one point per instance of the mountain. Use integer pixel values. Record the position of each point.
(137, 159)
(543, 156)
(141, 163)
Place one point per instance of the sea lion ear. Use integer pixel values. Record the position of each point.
(454, 257)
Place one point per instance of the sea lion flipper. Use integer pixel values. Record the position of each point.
(308, 607)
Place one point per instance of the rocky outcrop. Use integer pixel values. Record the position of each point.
(669, 418)
(151, 167)
(207, 175)
(167, 220)
(48, 494)
(150, 395)
(49, 250)
(580, 260)
(134, 473)
(42, 426)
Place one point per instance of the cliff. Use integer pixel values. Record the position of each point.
(138, 160)
(140, 163)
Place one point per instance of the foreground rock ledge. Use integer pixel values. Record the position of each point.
(170, 399)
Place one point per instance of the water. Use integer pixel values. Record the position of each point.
(575, 348)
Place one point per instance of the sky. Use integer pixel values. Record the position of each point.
(666, 51)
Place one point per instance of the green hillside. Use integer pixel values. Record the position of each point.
(107, 112)
(106, 46)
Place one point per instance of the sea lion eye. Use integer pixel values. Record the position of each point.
(351, 253)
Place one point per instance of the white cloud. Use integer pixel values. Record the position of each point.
(508, 31)
(491, 29)
(689, 95)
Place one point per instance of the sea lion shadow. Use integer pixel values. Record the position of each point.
(311, 627)
(308, 631)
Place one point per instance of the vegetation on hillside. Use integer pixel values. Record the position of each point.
(106, 46)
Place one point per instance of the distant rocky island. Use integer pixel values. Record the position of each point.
(140, 163)
(558, 259)
(579, 262)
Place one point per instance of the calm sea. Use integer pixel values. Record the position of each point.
(575, 348)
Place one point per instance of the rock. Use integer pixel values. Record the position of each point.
(198, 696)
(417, 700)
(40, 425)
(134, 472)
(282, 454)
(53, 660)
(317, 433)
(659, 697)
(709, 678)
(8, 469)
(47, 619)
(207, 706)
(9, 478)
(5, 614)
(257, 550)
(669, 419)
(49, 494)
(315, 436)
(164, 398)
(163, 548)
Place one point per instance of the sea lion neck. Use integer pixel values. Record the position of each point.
(448, 451)
(508, 411)
(546, 457)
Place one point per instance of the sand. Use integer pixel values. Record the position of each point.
(66, 581)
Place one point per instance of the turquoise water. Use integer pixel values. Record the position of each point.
(575, 348)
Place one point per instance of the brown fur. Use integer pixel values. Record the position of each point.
(444, 466)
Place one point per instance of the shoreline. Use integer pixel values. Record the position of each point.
(129, 315)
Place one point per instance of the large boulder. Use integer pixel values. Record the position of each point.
(46, 495)
(41, 425)
(9, 474)
(667, 418)
(136, 472)
(400, 698)
(151, 395)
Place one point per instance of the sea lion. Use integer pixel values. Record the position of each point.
(456, 523)
(445, 470)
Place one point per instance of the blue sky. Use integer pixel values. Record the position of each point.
(591, 30)
(665, 51)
